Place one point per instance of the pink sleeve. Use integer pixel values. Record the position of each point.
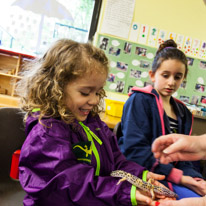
(175, 176)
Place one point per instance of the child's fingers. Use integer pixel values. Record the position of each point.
(155, 176)
(143, 200)
(159, 196)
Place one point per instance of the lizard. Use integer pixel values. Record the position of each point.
(145, 186)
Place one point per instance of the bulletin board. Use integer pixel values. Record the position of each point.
(130, 63)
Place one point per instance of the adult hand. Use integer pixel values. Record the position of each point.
(178, 147)
(200, 201)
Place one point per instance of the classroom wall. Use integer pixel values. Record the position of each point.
(184, 17)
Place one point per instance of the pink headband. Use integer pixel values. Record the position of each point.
(169, 47)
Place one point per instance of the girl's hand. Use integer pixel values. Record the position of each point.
(151, 175)
(144, 198)
(196, 184)
(155, 177)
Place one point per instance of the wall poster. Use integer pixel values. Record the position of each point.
(130, 63)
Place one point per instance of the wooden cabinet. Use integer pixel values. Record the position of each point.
(199, 125)
(10, 65)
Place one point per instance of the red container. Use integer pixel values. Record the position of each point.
(14, 171)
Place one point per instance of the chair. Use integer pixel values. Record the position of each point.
(118, 130)
(12, 136)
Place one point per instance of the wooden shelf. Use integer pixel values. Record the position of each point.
(8, 101)
(10, 75)
(11, 63)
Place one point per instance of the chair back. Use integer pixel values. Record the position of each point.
(118, 130)
(12, 136)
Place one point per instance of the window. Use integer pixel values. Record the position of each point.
(30, 26)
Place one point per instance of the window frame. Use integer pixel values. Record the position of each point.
(95, 19)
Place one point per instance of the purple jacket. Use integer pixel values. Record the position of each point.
(52, 174)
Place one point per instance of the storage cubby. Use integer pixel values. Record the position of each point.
(10, 65)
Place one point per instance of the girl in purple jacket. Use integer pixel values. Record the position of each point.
(69, 152)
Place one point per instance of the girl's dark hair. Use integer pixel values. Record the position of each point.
(44, 80)
(168, 50)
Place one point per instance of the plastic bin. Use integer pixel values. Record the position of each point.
(114, 107)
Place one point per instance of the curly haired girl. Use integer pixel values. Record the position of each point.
(69, 152)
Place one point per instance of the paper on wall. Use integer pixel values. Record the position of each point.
(152, 39)
(134, 32)
(118, 17)
(172, 35)
(187, 45)
(179, 41)
(195, 47)
(142, 39)
(161, 37)
(202, 53)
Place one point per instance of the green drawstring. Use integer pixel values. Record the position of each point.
(90, 134)
(35, 109)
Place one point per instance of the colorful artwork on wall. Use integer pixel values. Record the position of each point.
(130, 63)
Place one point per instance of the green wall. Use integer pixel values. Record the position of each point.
(130, 63)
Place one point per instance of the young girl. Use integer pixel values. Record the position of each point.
(151, 112)
(69, 152)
